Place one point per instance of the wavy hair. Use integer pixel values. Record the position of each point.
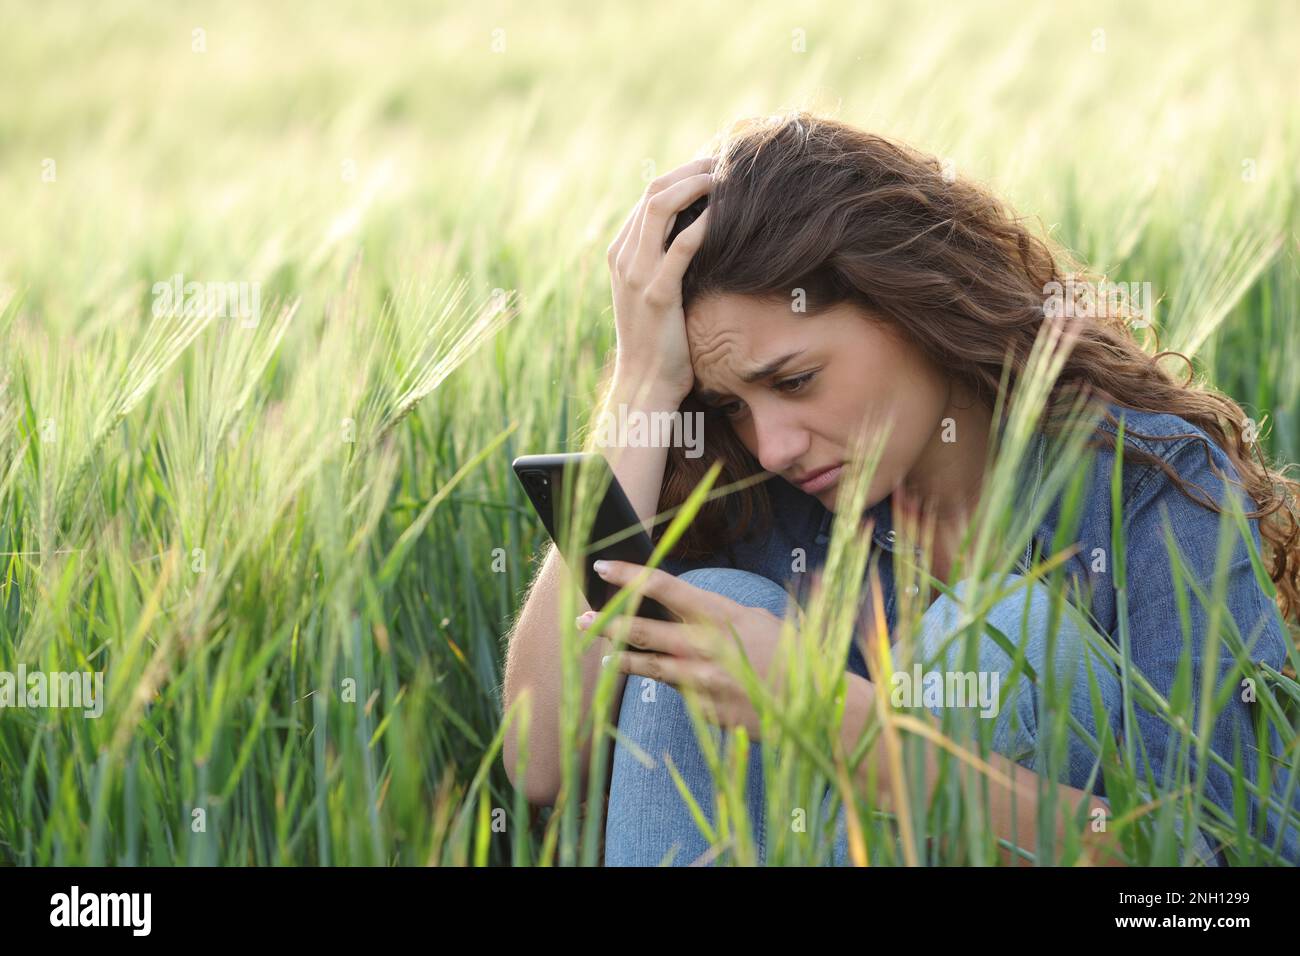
(807, 202)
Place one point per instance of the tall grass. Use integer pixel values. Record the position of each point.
(295, 550)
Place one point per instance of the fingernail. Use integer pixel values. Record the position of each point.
(584, 620)
(601, 568)
(604, 661)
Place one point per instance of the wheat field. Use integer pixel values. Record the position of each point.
(285, 531)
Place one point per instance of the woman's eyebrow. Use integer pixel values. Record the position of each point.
(710, 397)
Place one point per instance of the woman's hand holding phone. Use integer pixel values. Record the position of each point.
(703, 652)
(652, 357)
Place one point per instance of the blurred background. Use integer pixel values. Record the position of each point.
(232, 519)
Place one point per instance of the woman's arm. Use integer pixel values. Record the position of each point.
(1012, 807)
(1172, 624)
(652, 373)
(533, 654)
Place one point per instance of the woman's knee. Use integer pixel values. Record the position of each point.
(1043, 661)
(647, 814)
(1051, 651)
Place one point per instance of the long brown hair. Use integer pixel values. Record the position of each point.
(807, 202)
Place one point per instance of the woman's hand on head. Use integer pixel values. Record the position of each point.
(702, 652)
(650, 324)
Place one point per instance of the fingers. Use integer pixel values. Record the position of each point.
(660, 208)
(687, 676)
(646, 634)
(632, 222)
(690, 603)
(683, 249)
(622, 249)
(680, 672)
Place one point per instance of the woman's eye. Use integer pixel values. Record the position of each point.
(791, 385)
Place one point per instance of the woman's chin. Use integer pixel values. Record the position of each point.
(830, 498)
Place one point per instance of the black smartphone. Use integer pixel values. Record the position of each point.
(616, 534)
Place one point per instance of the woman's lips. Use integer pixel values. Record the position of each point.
(819, 483)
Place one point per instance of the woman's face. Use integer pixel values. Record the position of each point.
(797, 388)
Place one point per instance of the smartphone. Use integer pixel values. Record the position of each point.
(616, 534)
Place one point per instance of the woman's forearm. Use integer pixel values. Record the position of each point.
(1013, 790)
(533, 652)
(639, 469)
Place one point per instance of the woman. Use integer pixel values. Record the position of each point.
(834, 281)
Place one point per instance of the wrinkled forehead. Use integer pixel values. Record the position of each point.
(730, 334)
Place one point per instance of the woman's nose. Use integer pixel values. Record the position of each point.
(781, 443)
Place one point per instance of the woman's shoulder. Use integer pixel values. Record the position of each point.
(1161, 434)
(1172, 495)
(1170, 446)
(1180, 486)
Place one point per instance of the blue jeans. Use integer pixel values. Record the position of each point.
(647, 818)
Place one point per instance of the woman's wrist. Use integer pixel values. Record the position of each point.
(642, 392)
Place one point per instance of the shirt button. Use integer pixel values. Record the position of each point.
(890, 536)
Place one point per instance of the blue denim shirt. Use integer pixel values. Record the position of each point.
(1155, 632)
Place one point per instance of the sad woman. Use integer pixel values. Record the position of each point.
(808, 282)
